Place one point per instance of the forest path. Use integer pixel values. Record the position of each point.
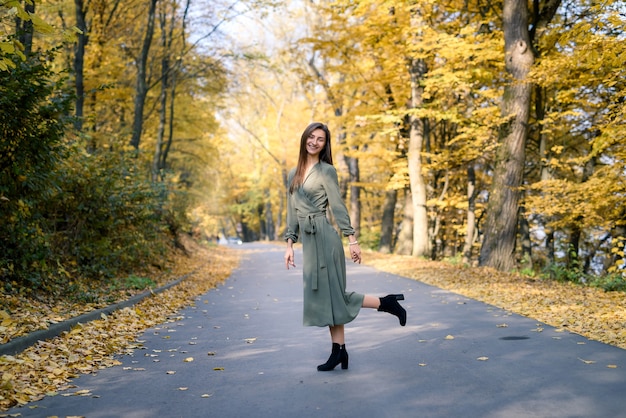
(242, 351)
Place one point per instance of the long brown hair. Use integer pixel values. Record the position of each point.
(326, 154)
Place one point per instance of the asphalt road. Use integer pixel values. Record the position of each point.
(242, 351)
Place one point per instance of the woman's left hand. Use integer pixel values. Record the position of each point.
(355, 253)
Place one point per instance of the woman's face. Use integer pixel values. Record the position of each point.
(315, 142)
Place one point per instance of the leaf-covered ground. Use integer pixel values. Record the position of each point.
(588, 311)
(47, 367)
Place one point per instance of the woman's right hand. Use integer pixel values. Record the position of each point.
(289, 260)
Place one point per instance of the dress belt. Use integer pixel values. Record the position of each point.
(310, 227)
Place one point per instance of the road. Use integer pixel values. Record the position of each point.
(241, 351)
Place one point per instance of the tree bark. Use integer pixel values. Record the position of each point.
(471, 215)
(157, 168)
(355, 194)
(386, 230)
(385, 244)
(173, 83)
(24, 29)
(141, 86)
(79, 64)
(498, 248)
(421, 242)
(404, 246)
(526, 242)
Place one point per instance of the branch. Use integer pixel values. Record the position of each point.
(253, 135)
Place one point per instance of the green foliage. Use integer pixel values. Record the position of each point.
(610, 283)
(456, 260)
(562, 273)
(614, 282)
(138, 283)
(526, 268)
(131, 282)
(66, 213)
(105, 219)
(32, 123)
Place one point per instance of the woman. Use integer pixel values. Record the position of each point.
(313, 187)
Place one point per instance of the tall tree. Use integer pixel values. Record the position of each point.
(421, 242)
(79, 62)
(501, 224)
(500, 231)
(24, 28)
(141, 85)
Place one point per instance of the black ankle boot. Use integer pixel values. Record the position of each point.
(390, 304)
(338, 355)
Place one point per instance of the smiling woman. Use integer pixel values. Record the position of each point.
(313, 188)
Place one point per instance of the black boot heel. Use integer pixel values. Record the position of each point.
(344, 357)
(390, 305)
(338, 355)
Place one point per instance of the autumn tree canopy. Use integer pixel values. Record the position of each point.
(419, 95)
(488, 132)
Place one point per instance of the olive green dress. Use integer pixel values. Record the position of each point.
(326, 301)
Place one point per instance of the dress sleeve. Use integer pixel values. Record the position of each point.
(337, 205)
(293, 228)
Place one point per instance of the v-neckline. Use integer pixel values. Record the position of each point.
(308, 173)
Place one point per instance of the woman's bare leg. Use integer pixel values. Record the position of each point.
(371, 302)
(337, 334)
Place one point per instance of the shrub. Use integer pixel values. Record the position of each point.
(32, 126)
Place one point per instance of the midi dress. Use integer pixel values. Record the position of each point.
(326, 302)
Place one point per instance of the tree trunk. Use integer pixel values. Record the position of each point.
(344, 164)
(387, 224)
(498, 248)
(355, 194)
(170, 133)
(421, 243)
(141, 86)
(526, 247)
(157, 169)
(79, 64)
(173, 83)
(471, 214)
(269, 218)
(24, 29)
(404, 246)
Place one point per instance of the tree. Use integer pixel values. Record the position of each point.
(141, 86)
(417, 69)
(500, 231)
(24, 21)
(577, 188)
